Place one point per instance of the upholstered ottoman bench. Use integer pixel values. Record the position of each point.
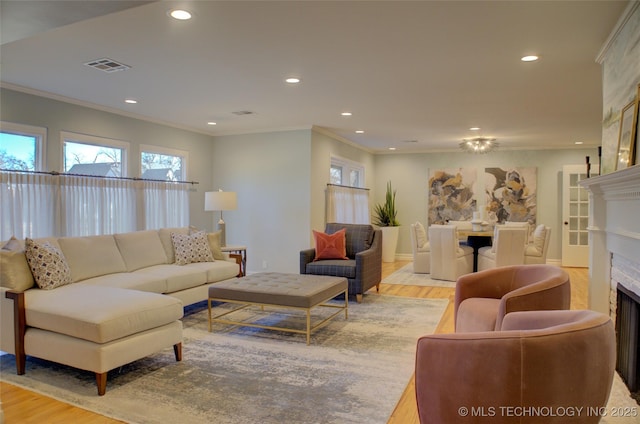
(302, 292)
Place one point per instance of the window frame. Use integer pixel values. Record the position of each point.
(347, 166)
(184, 154)
(39, 133)
(92, 140)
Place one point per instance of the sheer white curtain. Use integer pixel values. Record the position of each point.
(28, 205)
(165, 205)
(42, 205)
(93, 206)
(348, 205)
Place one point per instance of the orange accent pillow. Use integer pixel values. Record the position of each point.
(331, 246)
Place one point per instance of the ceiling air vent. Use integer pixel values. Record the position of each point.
(107, 65)
(242, 112)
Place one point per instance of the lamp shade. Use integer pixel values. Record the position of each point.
(220, 201)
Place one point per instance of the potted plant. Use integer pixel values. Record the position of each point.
(385, 218)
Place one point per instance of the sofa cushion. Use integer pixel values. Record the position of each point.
(15, 273)
(91, 256)
(130, 280)
(48, 265)
(218, 270)
(335, 268)
(177, 277)
(359, 237)
(167, 243)
(330, 246)
(140, 249)
(477, 314)
(99, 314)
(191, 248)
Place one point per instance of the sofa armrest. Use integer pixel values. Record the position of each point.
(450, 369)
(369, 263)
(306, 256)
(14, 325)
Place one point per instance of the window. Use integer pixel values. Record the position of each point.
(21, 147)
(346, 172)
(349, 203)
(96, 156)
(163, 164)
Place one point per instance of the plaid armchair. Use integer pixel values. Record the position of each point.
(363, 269)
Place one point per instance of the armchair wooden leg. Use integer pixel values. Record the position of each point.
(378, 287)
(359, 298)
(101, 381)
(177, 350)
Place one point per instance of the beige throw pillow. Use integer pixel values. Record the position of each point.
(191, 248)
(48, 265)
(14, 269)
(421, 234)
(214, 245)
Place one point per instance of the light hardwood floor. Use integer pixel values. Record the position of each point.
(23, 406)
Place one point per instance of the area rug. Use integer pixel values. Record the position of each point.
(406, 276)
(354, 370)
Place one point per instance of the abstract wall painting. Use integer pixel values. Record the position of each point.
(511, 194)
(452, 195)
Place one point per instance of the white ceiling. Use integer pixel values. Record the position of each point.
(416, 70)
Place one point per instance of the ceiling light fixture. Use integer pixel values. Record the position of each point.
(474, 129)
(530, 58)
(293, 80)
(346, 114)
(478, 144)
(212, 123)
(131, 101)
(392, 148)
(181, 15)
(359, 131)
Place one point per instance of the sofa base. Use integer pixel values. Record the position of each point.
(100, 358)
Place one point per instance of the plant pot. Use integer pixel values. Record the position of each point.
(389, 243)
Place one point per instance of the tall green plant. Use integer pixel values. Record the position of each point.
(385, 214)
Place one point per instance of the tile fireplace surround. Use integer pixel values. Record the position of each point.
(614, 249)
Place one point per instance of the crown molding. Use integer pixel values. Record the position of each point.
(624, 18)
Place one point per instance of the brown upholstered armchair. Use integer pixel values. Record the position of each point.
(540, 360)
(483, 298)
(363, 268)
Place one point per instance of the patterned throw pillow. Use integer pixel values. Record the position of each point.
(48, 265)
(191, 248)
(331, 246)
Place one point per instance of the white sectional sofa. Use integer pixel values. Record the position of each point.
(123, 301)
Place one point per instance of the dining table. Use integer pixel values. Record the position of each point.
(476, 239)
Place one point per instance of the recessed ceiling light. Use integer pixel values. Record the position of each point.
(131, 101)
(346, 114)
(530, 58)
(579, 142)
(392, 148)
(179, 14)
(359, 131)
(293, 80)
(475, 128)
(212, 123)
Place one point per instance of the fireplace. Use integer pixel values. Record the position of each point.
(614, 262)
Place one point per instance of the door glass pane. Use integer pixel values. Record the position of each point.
(584, 238)
(573, 224)
(573, 209)
(573, 194)
(573, 180)
(573, 238)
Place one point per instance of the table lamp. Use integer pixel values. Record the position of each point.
(220, 201)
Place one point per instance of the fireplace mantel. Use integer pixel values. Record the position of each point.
(614, 229)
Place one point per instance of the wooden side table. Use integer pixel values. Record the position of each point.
(238, 250)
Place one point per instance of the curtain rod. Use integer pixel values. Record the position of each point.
(97, 176)
(344, 186)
